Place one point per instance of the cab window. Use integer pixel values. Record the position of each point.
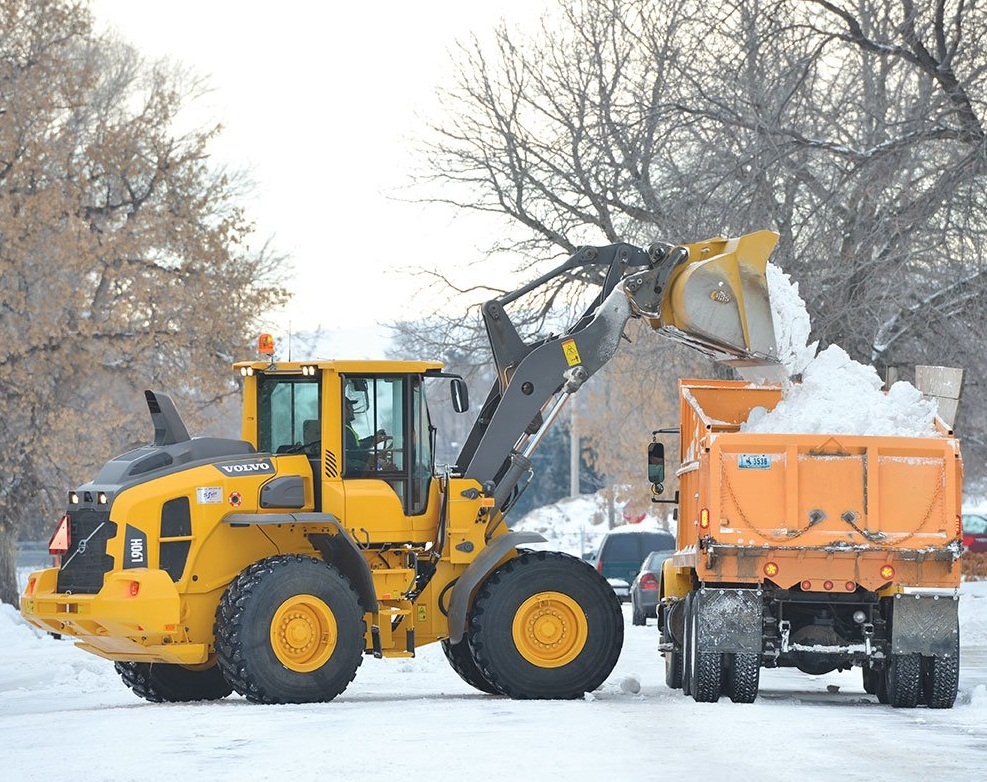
(287, 412)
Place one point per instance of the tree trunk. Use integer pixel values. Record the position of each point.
(8, 570)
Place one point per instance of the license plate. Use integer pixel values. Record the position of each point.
(754, 461)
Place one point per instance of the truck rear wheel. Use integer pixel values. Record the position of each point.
(941, 677)
(904, 679)
(871, 677)
(289, 629)
(743, 677)
(673, 664)
(168, 683)
(688, 645)
(462, 662)
(703, 669)
(545, 625)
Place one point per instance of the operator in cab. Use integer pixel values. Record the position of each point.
(358, 450)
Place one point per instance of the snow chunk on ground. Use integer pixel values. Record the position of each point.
(791, 321)
(838, 395)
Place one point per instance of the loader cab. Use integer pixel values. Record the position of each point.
(364, 427)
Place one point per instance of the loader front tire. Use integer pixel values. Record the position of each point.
(462, 662)
(290, 629)
(545, 625)
(168, 683)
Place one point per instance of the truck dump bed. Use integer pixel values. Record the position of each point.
(819, 511)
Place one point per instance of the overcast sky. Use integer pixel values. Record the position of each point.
(319, 103)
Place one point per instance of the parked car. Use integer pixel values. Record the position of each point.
(644, 590)
(975, 532)
(623, 550)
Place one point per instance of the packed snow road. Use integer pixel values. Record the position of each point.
(64, 714)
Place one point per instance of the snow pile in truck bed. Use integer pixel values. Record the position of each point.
(838, 395)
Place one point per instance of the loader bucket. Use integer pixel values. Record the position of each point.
(717, 300)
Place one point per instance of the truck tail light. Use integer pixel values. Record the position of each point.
(704, 518)
(887, 572)
(770, 569)
(135, 588)
(61, 539)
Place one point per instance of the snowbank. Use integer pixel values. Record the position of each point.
(576, 525)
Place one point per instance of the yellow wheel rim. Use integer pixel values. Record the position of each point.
(303, 633)
(549, 629)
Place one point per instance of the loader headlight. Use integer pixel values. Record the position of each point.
(73, 498)
(101, 498)
(246, 371)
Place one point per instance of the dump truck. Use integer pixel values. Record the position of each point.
(273, 564)
(815, 551)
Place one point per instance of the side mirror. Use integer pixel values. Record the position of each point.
(460, 395)
(656, 463)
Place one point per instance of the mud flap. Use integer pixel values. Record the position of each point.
(729, 620)
(924, 624)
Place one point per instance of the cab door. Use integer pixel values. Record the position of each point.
(387, 458)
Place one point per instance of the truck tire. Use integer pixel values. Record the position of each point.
(462, 663)
(688, 644)
(706, 667)
(904, 679)
(168, 683)
(545, 625)
(290, 629)
(871, 677)
(673, 664)
(743, 677)
(941, 678)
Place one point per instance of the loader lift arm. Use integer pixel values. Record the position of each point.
(711, 296)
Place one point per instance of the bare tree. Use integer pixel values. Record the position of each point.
(854, 129)
(124, 257)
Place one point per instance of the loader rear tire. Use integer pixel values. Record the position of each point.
(290, 629)
(546, 625)
(168, 683)
(462, 662)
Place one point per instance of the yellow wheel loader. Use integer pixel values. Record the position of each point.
(273, 564)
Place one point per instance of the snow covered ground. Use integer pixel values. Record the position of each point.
(65, 715)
